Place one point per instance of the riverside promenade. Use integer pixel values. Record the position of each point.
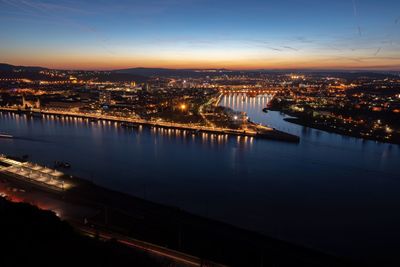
(253, 130)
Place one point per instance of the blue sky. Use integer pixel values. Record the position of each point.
(201, 33)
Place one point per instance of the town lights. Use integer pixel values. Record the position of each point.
(183, 107)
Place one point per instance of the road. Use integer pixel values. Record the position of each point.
(76, 215)
(209, 102)
(173, 255)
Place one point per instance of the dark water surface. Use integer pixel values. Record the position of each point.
(331, 192)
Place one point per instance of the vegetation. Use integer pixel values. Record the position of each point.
(34, 237)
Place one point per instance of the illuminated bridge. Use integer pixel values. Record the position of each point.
(250, 91)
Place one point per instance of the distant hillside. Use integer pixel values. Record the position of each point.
(164, 72)
(149, 72)
(8, 67)
(141, 74)
(121, 77)
(33, 73)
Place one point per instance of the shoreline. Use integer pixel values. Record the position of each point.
(270, 133)
(172, 228)
(299, 121)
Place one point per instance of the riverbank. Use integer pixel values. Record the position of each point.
(102, 209)
(29, 231)
(267, 133)
(191, 129)
(336, 130)
(333, 126)
(292, 192)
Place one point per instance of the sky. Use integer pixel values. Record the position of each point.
(252, 34)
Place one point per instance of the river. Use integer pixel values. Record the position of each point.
(334, 193)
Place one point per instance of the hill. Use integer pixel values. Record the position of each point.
(34, 237)
(8, 67)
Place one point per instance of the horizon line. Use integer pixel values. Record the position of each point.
(316, 69)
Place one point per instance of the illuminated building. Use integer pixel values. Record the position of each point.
(105, 98)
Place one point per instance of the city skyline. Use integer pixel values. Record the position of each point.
(347, 34)
(200, 133)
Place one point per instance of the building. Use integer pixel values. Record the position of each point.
(105, 98)
(146, 87)
(65, 105)
(30, 104)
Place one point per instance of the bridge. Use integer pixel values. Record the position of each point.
(250, 91)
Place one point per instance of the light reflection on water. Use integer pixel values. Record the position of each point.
(324, 192)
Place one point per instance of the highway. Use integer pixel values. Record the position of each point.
(173, 255)
(75, 214)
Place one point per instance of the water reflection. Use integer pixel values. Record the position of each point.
(322, 192)
(100, 127)
(244, 102)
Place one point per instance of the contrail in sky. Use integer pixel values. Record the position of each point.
(377, 51)
(354, 8)
(356, 16)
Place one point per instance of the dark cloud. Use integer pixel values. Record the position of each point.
(290, 48)
(377, 51)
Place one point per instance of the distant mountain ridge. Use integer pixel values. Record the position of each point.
(9, 71)
(9, 67)
(139, 71)
(142, 74)
(169, 72)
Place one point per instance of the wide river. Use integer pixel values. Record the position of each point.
(331, 192)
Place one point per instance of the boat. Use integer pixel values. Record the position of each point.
(18, 158)
(61, 164)
(265, 110)
(8, 136)
(129, 125)
(35, 114)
